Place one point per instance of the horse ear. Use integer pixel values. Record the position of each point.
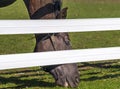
(64, 12)
(65, 9)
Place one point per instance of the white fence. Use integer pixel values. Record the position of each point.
(58, 57)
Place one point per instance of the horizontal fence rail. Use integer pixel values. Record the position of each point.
(58, 57)
(54, 26)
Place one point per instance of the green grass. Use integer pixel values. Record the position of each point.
(10, 44)
(93, 75)
(15, 11)
(95, 39)
(92, 8)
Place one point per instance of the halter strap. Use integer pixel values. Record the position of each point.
(54, 7)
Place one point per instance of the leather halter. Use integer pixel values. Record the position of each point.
(48, 36)
(54, 7)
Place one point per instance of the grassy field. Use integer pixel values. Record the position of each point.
(93, 8)
(93, 75)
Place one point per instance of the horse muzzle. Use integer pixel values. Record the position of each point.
(66, 75)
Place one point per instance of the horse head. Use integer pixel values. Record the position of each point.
(64, 74)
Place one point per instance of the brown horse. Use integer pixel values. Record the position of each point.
(65, 74)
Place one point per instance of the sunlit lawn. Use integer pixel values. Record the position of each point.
(93, 75)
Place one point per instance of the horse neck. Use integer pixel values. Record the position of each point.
(46, 5)
(34, 5)
(43, 9)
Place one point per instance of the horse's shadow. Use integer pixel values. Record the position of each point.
(4, 3)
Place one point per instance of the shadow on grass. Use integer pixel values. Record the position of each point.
(112, 66)
(14, 71)
(25, 83)
(101, 65)
(101, 77)
(23, 78)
